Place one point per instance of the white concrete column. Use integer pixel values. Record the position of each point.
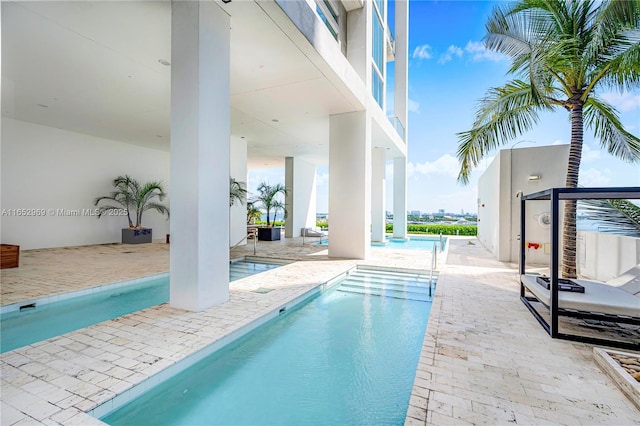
(350, 185)
(378, 195)
(200, 131)
(401, 76)
(300, 181)
(360, 41)
(238, 212)
(400, 197)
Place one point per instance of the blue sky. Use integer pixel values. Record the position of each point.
(449, 70)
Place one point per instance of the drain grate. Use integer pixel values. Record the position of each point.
(262, 290)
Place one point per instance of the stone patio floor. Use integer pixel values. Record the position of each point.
(485, 360)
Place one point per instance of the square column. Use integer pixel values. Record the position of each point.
(300, 202)
(400, 197)
(378, 195)
(200, 131)
(401, 66)
(350, 185)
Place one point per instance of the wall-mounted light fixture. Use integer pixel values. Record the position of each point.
(534, 177)
(226, 1)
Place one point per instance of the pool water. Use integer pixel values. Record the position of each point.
(346, 357)
(25, 327)
(412, 243)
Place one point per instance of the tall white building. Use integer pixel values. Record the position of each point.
(194, 92)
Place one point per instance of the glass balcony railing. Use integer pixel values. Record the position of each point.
(397, 124)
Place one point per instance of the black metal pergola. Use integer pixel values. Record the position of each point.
(554, 196)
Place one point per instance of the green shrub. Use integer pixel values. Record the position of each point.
(437, 229)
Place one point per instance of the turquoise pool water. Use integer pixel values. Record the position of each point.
(345, 357)
(25, 327)
(413, 243)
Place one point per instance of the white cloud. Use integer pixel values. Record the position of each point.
(413, 106)
(479, 52)
(595, 177)
(446, 165)
(452, 51)
(622, 101)
(559, 142)
(590, 155)
(422, 52)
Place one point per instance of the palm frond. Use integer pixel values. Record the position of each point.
(620, 217)
(237, 192)
(603, 119)
(504, 114)
(160, 208)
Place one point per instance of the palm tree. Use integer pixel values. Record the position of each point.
(267, 197)
(561, 52)
(237, 192)
(277, 206)
(253, 212)
(132, 196)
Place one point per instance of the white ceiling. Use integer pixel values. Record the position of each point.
(93, 68)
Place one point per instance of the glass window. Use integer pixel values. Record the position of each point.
(376, 86)
(378, 41)
(327, 13)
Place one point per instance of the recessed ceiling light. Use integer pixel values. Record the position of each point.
(164, 62)
(43, 105)
(275, 120)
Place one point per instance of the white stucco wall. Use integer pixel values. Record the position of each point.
(48, 168)
(300, 181)
(603, 256)
(489, 207)
(498, 188)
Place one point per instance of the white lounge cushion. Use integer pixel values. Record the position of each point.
(311, 232)
(597, 297)
(628, 281)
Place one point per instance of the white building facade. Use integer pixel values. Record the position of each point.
(514, 172)
(191, 93)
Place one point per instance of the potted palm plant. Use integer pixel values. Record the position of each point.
(268, 199)
(130, 196)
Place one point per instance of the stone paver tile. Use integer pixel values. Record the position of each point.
(9, 415)
(31, 405)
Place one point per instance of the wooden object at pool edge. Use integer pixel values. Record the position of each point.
(9, 256)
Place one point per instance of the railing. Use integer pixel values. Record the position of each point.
(397, 124)
(434, 265)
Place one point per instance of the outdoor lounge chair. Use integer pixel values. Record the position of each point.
(313, 232)
(618, 300)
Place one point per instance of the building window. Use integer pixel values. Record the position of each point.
(377, 81)
(327, 12)
(377, 87)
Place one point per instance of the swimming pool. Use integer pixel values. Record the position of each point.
(411, 243)
(347, 356)
(30, 325)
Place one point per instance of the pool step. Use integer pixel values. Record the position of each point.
(374, 278)
(398, 285)
(395, 294)
(241, 269)
(387, 286)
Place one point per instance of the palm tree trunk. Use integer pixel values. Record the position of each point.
(573, 168)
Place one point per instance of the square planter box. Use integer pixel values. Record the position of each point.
(136, 236)
(269, 234)
(9, 256)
